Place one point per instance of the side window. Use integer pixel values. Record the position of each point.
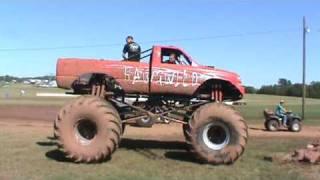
(165, 57)
(184, 60)
(172, 56)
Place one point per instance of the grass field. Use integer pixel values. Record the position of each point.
(28, 153)
(10, 95)
(257, 103)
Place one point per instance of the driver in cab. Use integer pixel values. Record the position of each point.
(172, 59)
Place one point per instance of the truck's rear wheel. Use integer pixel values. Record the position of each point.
(218, 134)
(88, 129)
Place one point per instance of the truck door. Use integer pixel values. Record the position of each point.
(136, 74)
(175, 77)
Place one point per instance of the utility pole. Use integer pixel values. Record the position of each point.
(305, 31)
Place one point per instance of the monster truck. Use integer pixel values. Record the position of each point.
(117, 93)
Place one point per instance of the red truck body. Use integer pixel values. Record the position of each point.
(133, 77)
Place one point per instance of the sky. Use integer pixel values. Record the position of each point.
(261, 40)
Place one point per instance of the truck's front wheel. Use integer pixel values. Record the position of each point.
(217, 134)
(88, 129)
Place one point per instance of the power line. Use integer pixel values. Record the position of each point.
(59, 47)
(222, 36)
(227, 36)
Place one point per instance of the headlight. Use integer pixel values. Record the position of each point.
(239, 79)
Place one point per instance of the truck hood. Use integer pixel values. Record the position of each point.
(222, 73)
(215, 73)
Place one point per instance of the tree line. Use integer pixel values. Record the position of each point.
(8, 78)
(285, 87)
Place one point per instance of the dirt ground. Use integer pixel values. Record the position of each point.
(29, 113)
(21, 117)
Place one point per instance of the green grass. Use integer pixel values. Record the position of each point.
(252, 112)
(26, 153)
(30, 155)
(10, 95)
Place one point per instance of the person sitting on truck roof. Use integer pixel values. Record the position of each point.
(282, 112)
(172, 59)
(132, 49)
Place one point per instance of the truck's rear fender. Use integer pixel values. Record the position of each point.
(229, 90)
(85, 82)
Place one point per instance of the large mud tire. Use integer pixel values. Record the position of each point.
(217, 134)
(88, 129)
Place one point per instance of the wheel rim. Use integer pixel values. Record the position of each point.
(216, 135)
(86, 130)
(145, 120)
(273, 126)
(295, 127)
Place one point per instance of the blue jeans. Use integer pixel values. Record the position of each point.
(284, 118)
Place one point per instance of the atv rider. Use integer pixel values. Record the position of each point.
(282, 112)
(132, 49)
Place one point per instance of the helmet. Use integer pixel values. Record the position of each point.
(282, 101)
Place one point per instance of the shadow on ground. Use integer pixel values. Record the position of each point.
(49, 143)
(57, 155)
(175, 150)
(257, 129)
(265, 130)
(184, 156)
(151, 144)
